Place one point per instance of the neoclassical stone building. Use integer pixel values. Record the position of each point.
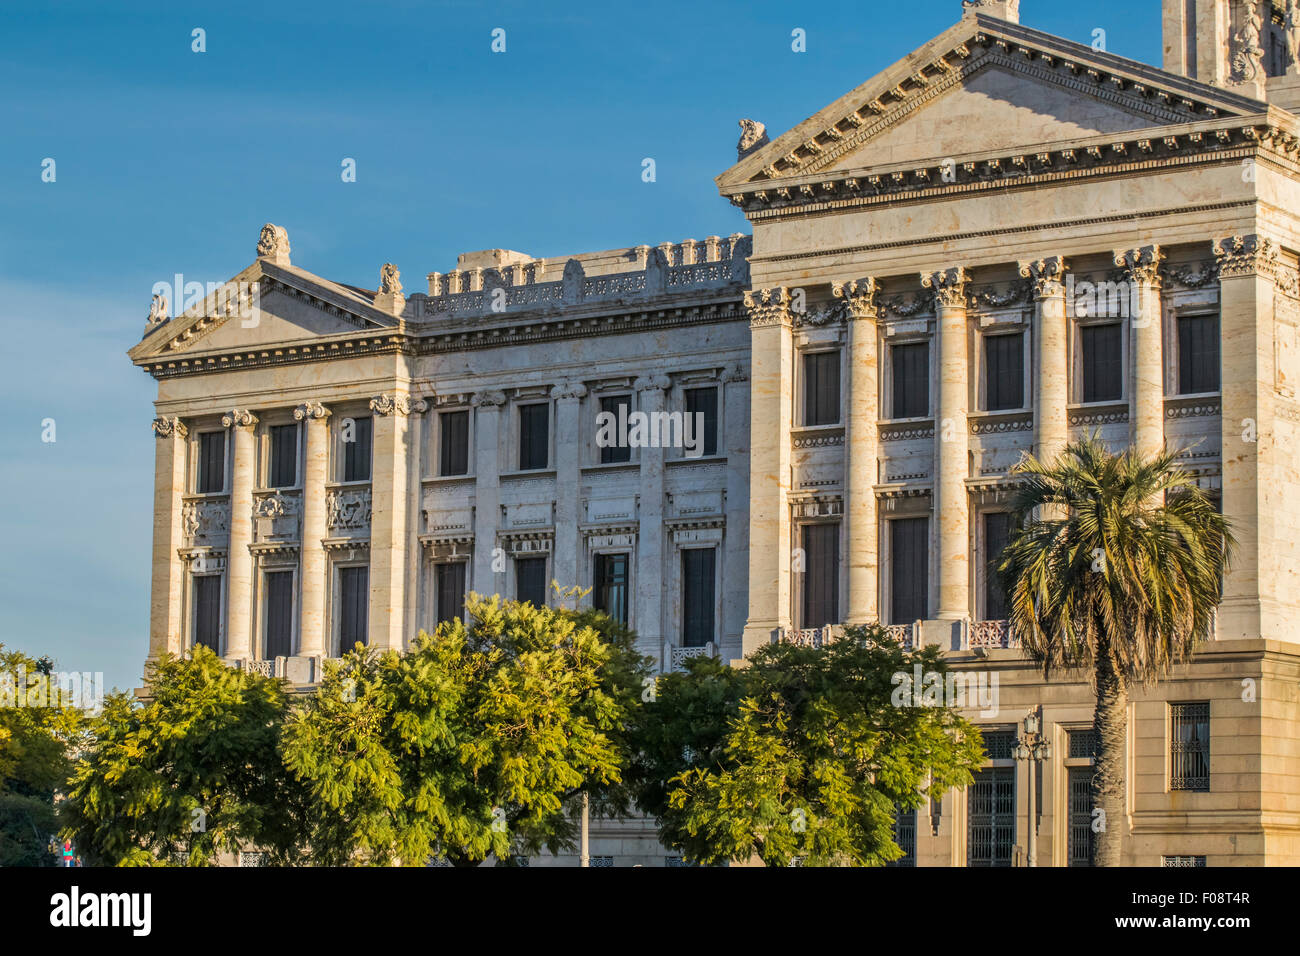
(1000, 243)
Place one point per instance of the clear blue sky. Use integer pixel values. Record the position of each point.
(170, 161)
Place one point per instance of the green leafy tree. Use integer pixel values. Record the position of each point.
(191, 772)
(802, 753)
(1117, 568)
(36, 736)
(472, 744)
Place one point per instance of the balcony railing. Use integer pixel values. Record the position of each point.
(990, 634)
(675, 658)
(903, 634)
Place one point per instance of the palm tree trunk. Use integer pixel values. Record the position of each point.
(1110, 720)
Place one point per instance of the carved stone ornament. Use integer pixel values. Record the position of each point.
(569, 390)
(489, 399)
(310, 410)
(1047, 276)
(753, 136)
(390, 280)
(167, 427)
(859, 296)
(275, 506)
(768, 307)
(273, 243)
(157, 313)
(649, 383)
(1247, 54)
(1141, 265)
(949, 287)
(239, 417)
(1245, 255)
(1291, 29)
(736, 373)
(399, 404)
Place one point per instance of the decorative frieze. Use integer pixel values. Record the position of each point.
(1246, 255)
(656, 382)
(1001, 424)
(348, 510)
(1190, 275)
(1099, 415)
(569, 391)
(397, 404)
(911, 432)
(493, 398)
(1177, 408)
(205, 521)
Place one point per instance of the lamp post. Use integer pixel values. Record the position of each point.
(1032, 745)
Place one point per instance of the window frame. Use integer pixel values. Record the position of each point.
(336, 604)
(985, 379)
(438, 436)
(264, 638)
(518, 416)
(889, 378)
(1175, 341)
(220, 575)
(340, 448)
(1187, 782)
(714, 592)
(523, 557)
(196, 470)
(803, 384)
(597, 559)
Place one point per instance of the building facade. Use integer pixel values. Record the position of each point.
(1002, 242)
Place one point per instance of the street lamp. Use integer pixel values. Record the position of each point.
(1032, 745)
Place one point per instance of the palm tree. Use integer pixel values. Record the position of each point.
(1117, 567)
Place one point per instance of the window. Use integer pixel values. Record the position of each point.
(997, 533)
(354, 606)
(909, 570)
(453, 443)
(207, 611)
(905, 836)
(533, 436)
(821, 388)
(821, 580)
(211, 478)
(910, 371)
(1102, 355)
(611, 585)
(530, 580)
(702, 408)
(284, 457)
(449, 584)
(1081, 839)
(999, 744)
(1198, 354)
(619, 406)
(1189, 746)
(698, 565)
(279, 614)
(991, 812)
(356, 434)
(1004, 372)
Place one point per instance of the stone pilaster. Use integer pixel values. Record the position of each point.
(861, 449)
(1247, 270)
(166, 598)
(568, 434)
(951, 466)
(650, 571)
(735, 558)
(389, 494)
(240, 621)
(1051, 380)
(312, 641)
(487, 490)
(771, 392)
(1147, 391)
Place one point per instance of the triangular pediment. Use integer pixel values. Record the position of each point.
(983, 85)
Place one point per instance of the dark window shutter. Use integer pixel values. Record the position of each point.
(1102, 347)
(821, 588)
(1198, 354)
(279, 614)
(354, 607)
(997, 533)
(453, 457)
(821, 388)
(533, 445)
(610, 454)
(611, 585)
(356, 453)
(212, 463)
(207, 611)
(909, 575)
(911, 374)
(450, 586)
(1004, 372)
(704, 401)
(284, 456)
(698, 567)
(530, 581)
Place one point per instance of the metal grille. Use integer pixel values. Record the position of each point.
(1189, 746)
(1081, 837)
(991, 809)
(1083, 744)
(1182, 861)
(677, 861)
(252, 858)
(601, 861)
(999, 744)
(905, 837)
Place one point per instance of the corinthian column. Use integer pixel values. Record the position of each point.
(650, 538)
(239, 585)
(390, 500)
(1147, 396)
(568, 403)
(951, 468)
(311, 630)
(861, 448)
(487, 490)
(1051, 378)
(771, 393)
(166, 598)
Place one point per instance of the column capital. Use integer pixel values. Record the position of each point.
(238, 418)
(167, 427)
(948, 285)
(489, 399)
(735, 373)
(768, 307)
(1247, 255)
(310, 410)
(569, 391)
(1047, 276)
(653, 383)
(859, 296)
(397, 404)
(1142, 264)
